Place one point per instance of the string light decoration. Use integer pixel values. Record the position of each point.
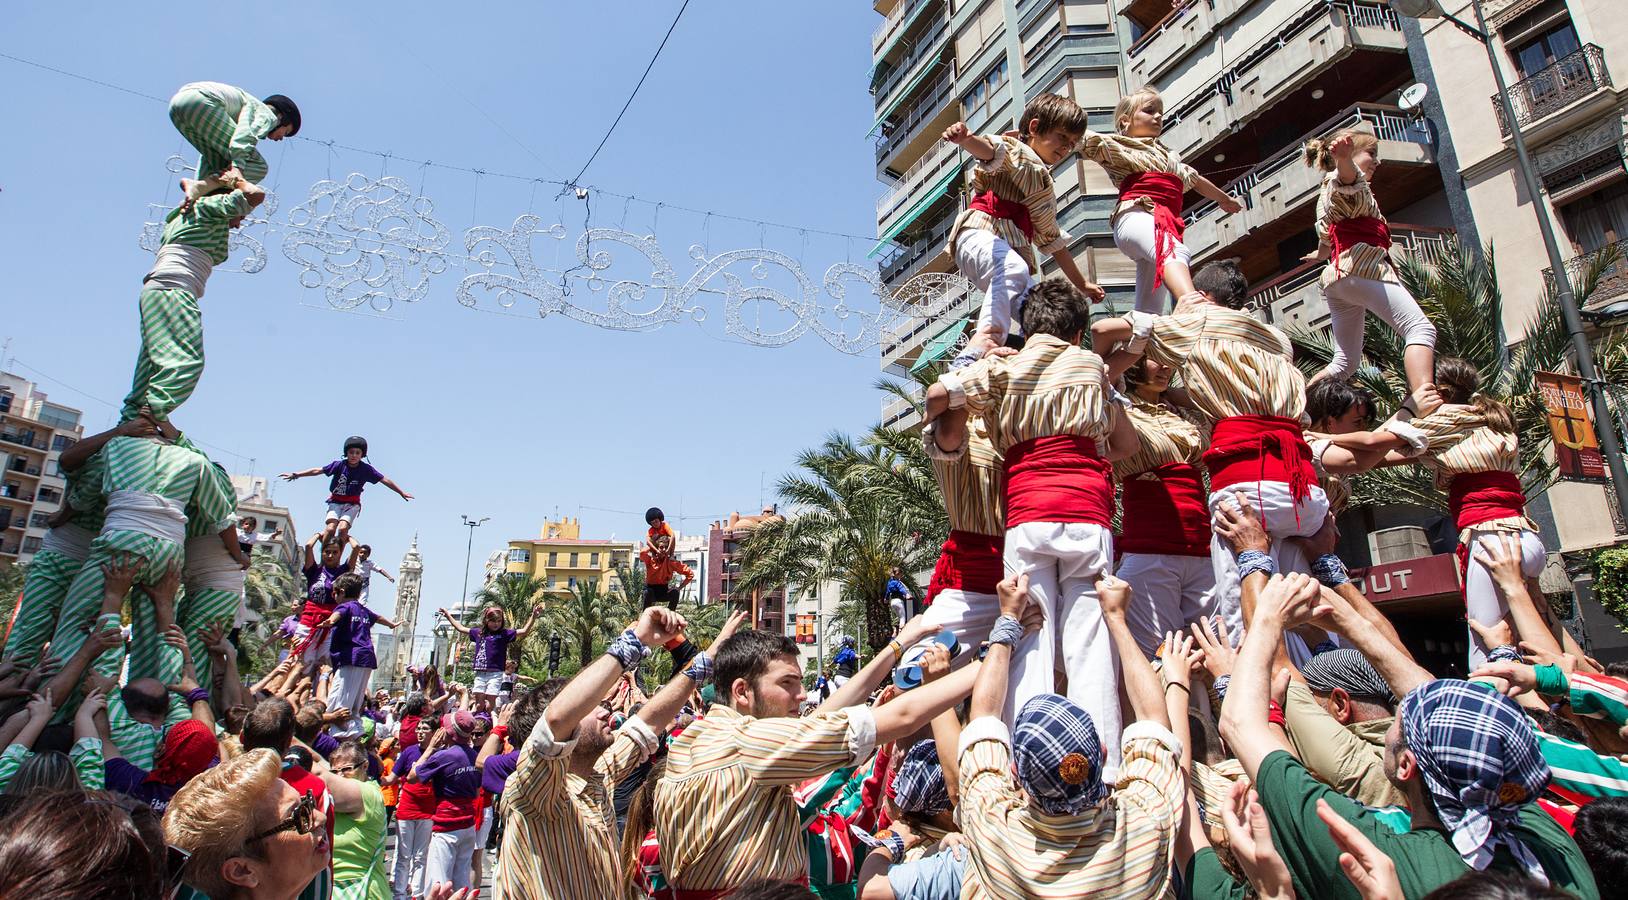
(247, 252)
(366, 240)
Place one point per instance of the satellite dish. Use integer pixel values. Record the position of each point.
(1412, 99)
(1417, 9)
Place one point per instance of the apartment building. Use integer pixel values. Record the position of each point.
(768, 607)
(561, 559)
(33, 433)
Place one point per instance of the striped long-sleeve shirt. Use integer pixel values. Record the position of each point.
(724, 810)
(1350, 201)
(1016, 174)
(255, 120)
(200, 525)
(560, 828)
(176, 471)
(207, 225)
(1455, 440)
(1121, 849)
(86, 756)
(1596, 696)
(1121, 155)
(1580, 771)
(85, 496)
(1231, 363)
(1051, 387)
(970, 481)
(1164, 436)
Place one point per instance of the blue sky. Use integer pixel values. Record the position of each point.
(754, 109)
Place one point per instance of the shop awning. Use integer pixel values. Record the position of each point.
(940, 345)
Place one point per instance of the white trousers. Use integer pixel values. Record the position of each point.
(967, 614)
(1278, 511)
(412, 845)
(452, 853)
(1167, 594)
(999, 271)
(1350, 299)
(347, 689)
(1482, 600)
(1063, 562)
(1134, 236)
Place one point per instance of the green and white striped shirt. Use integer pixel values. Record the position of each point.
(176, 471)
(207, 226)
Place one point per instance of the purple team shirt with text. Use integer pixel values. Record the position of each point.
(492, 648)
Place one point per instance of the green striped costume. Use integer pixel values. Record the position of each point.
(52, 570)
(225, 125)
(209, 566)
(171, 359)
(179, 474)
(86, 756)
(139, 741)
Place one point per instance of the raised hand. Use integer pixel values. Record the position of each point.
(169, 582)
(1249, 834)
(957, 133)
(1216, 646)
(935, 663)
(1295, 598)
(1368, 868)
(119, 572)
(1180, 657)
(658, 625)
(217, 639)
(1240, 526)
(731, 625)
(1341, 147)
(1498, 634)
(40, 706)
(95, 701)
(1230, 205)
(1521, 677)
(1013, 593)
(1501, 556)
(1113, 595)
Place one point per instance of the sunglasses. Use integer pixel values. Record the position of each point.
(301, 819)
(175, 864)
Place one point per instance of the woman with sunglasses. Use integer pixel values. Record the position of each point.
(249, 834)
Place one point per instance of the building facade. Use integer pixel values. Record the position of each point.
(694, 550)
(254, 499)
(561, 559)
(33, 433)
(768, 608)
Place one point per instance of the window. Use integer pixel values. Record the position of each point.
(553, 582)
(978, 100)
(31, 545)
(518, 555)
(1597, 219)
(571, 583)
(62, 442)
(39, 520)
(553, 560)
(1541, 46)
(984, 27)
(593, 560)
(573, 560)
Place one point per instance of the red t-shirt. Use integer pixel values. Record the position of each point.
(416, 801)
(407, 734)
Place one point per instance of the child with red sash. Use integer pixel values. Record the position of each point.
(1013, 210)
(961, 595)
(1359, 278)
(1238, 374)
(1048, 415)
(1152, 181)
(1164, 523)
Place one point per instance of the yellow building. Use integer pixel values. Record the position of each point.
(561, 559)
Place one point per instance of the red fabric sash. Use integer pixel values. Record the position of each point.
(1260, 448)
(970, 562)
(1478, 497)
(1167, 516)
(1345, 233)
(998, 208)
(1165, 190)
(1059, 478)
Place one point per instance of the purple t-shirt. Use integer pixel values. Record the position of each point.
(346, 481)
(319, 592)
(325, 744)
(352, 636)
(497, 770)
(492, 648)
(126, 778)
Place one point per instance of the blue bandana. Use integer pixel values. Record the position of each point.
(1058, 755)
(918, 783)
(1481, 765)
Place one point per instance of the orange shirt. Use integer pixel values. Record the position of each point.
(387, 764)
(661, 572)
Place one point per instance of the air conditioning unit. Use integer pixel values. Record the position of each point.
(1390, 545)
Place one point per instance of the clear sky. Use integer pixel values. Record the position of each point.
(754, 109)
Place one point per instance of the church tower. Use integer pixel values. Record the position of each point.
(411, 574)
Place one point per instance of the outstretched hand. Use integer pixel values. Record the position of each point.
(1249, 833)
(731, 625)
(1368, 868)
(1219, 656)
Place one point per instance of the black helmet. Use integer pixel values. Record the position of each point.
(356, 441)
(287, 113)
(652, 514)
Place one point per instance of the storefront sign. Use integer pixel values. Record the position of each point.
(1577, 448)
(1424, 576)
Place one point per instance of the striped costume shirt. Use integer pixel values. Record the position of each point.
(1122, 848)
(1455, 440)
(176, 471)
(1337, 487)
(255, 120)
(1121, 155)
(724, 810)
(1163, 435)
(1016, 174)
(1577, 769)
(1230, 363)
(202, 526)
(208, 225)
(1596, 696)
(1350, 201)
(85, 496)
(559, 836)
(970, 481)
(1050, 387)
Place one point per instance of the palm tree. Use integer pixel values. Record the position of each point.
(630, 581)
(585, 618)
(516, 593)
(270, 585)
(1461, 296)
(845, 527)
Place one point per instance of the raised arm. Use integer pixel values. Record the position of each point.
(303, 473)
(1137, 678)
(311, 549)
(223, 657)
(228, 539)
(188, 686)
(76, 456)
(531, 620)
(1285, 602)
(1206, 188)
(466, 629)
(858, 688)
(391, 484)
(655, 627)
(981, 148)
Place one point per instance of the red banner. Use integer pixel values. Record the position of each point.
(1577, 448)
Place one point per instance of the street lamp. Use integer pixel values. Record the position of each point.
(1610, 447)
(472, 524)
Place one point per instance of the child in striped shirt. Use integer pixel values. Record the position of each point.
(1152, 181)
(225, 124)
(1012, 212)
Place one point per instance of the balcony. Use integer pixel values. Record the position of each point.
(1568, 81)
(1145, 12)
(941, 162)
(911, 128)
(1282, 185)
(907, 259)
(896, 22)
(1613, 283)
(1295, 298)
(926, 46)
(22, 438)
(1277, 68)
(1185, 29)
(901, 346)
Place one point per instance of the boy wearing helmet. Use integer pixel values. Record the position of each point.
(347, 478)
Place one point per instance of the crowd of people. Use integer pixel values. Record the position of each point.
(1139, 669)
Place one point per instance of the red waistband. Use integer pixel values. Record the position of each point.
(1165, 190)
(1059, 478)
(1168, 515)
(1260, 448)
(345, 498)
(1000, 208)
(1346, 233)
(716, 893)
(1476, 497)
(969, 562)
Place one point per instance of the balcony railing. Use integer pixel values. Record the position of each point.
(910, 331)
(928, 167)
(1428, 244)
(22, 438)
(890, 26)
(1554, 87)
(1152, 34)
(1613, 281)
(924, 110)
(908, 259)
(927, 45)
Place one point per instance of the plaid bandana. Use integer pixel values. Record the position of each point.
(1058, 755)
(918, 783)
(1481, 764)
(1348, 670)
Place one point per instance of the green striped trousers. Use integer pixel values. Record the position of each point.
(171, 359)
(32, 622)
(204, 123)
(198, 609)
